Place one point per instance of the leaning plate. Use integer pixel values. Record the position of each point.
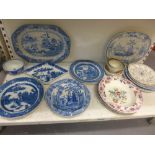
(38, 43)
(68, 97)
(86, 71)
(128, 46)
(120, 94)
(46, 72)
(142, 74)
(20, 96)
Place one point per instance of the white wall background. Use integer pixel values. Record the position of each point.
(89, 37)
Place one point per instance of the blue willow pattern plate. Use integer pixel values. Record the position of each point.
(128, 46)
(20, 96)
(86, 71)
(46, 72)
(67, 97)
(39, 43)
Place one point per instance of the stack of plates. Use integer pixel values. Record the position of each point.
(141, 75)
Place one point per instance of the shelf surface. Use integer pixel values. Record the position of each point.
(95, 112)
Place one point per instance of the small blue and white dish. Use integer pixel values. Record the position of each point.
(46, 72)
(13, 66)
(67, 97)
(20, 96)
(86, 71)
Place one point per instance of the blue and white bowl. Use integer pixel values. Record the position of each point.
(13, 66)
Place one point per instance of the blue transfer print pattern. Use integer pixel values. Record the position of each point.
(39, 43)
(19, 97)
(86, 71)
(128, 46)
(67, 97)
(46, 72)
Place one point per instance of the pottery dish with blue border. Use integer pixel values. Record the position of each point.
(39, 43)
(46, 72)
(67, 97)
(128, 46)
(19, 97)
(86, 71)
(13, 66)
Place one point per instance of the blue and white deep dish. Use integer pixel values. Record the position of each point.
(86, 71)
(39, 43)
(46, 72)
(67, 97)
(20, 96)
(128, 46)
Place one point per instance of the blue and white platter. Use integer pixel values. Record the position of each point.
(86, 71)
(67, 97)
(46, 72)
(128, 46)
(39, 43)
(20, 96)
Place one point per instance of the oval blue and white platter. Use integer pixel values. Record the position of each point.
(39, 43)
(20, 96)
(128, 46)
(67, 97)
(86, 71)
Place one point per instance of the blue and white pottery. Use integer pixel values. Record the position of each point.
(67, 97)
(144, 88)
(20, 96)
(128, 46)
(13, 66)
(46, 72)
(39, 43)
(86, 71)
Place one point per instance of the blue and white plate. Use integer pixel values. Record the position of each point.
(145, 88)
(128, 46)
(67, 97)
(86, 71)
(20, 96)
(46, 72)
(39, 43)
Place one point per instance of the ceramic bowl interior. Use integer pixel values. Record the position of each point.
(124, 90)
(13, 65)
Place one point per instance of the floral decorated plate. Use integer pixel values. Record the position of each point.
(20, 96)
(86, 71)
(120, 94)
(142, 74)
(46, 72)
(128, 46)
(38, 43)
(67, 97)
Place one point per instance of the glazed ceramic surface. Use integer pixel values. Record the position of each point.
(142, 74)
(68, 97)
(46, 72)
(128, 46)
(145, 88)
(86, 71)
(13, 66)
(19, 97)
(120, 94)
(38, 43)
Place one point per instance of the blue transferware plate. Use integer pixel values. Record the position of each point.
(67, 97)
(145, 88)
(20, 96)
(86, 71)
(39, 43)
(128, 46)
(46, 72)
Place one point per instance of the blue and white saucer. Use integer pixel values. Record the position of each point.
(67, 97)
(20, 96)
(46, 72)
(86, 71)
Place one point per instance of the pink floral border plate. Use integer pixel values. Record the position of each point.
(116, 97)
